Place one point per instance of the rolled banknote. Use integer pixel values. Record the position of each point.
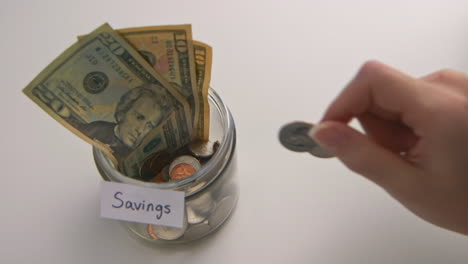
(102, 90)
(203, 61)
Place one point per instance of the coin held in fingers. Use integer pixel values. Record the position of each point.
(295, 136)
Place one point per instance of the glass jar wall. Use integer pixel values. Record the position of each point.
(211, 193)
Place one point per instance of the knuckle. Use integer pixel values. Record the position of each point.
(357, 163)
(357, 167)
(376, 72)
(449, 75)
(369, 67)
(459, 103)
(448, 107)
(371, 71)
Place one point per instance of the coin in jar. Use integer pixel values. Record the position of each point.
(201, 148)
(199, 208)
(182, 171)
(183, 166)
(158, 232)
(158, 178)
(159, 161)
(151, 232)
(165, 174)
(153, 165)
(197, 231)
(216, 146)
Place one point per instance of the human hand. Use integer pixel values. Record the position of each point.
(416, 141)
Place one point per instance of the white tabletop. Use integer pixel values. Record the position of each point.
(274, 62)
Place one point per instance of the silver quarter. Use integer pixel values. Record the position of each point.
(293, 136)
(202, 149)
(199, 208)
(167, 232)
(319, 152)
(195, 187)
(197, 231)
(193, 217)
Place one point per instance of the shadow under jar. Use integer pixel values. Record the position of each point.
(211, 193)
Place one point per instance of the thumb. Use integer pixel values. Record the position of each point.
(362, 155)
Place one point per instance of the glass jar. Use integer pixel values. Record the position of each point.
(210, 194)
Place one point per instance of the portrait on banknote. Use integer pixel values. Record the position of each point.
(137, 113)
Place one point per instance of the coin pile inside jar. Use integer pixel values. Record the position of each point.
(203, 215)
(204, 211)
(164, 167)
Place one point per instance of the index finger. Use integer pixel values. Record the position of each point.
(378, 89)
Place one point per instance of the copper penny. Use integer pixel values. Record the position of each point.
(159, 161)
(181, 171)
(165, 174)
(154, 164)
(151, 233)
(158, 178)
(190, 160)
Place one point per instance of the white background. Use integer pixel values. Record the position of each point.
(274, 61)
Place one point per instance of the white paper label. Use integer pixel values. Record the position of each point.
(143, 205)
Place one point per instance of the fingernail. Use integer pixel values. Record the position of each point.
(327, 136)
(315, 129)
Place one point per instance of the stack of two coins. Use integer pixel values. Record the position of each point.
(295, 136)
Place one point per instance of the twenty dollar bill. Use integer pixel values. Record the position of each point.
(102, 90)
